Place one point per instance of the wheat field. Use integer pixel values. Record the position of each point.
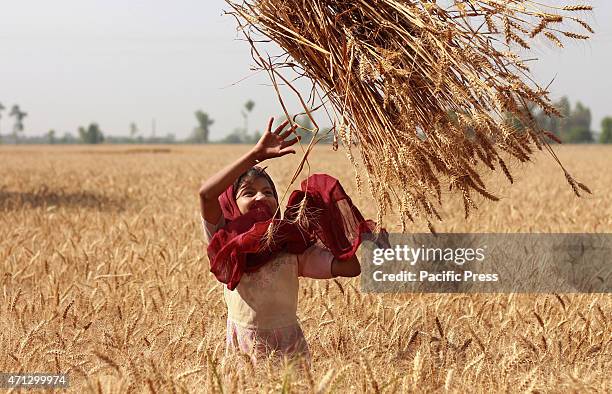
(105, 278)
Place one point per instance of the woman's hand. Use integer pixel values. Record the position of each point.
(347, 268)
(272, 145)
(269, 145)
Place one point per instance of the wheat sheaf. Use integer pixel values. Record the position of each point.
(432, 95)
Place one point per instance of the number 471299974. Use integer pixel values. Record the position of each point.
(11, 380)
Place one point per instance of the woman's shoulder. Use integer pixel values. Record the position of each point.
(209, 229)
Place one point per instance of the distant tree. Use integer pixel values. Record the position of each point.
(201, 133)
(83, 135)
(91, 134)
(578, 126)
(554, 124)
(235, 137)
(19, 115)
(67, 138)
(2, 108)
(543, 120)
(574, 125)
(606, 131)
(133, 130)
(51, 136)
(248, 107)
(256, 136)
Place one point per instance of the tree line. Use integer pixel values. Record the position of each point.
(19, 116)
(574, 126)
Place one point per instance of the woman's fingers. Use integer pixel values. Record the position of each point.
(290, 142)
(287, 132)
(285, 151)
(281, 127)
(270, 123)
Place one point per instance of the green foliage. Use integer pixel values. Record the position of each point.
(235, 137)
(248, 107)
(67, 138)
(238, 136)
(606, 131)
(577, 134)
(133, 130)
(578, 125)
(255, 137)
(573, 127)
(19, 115)
(554, 124)
(91, 134)
(201, 133)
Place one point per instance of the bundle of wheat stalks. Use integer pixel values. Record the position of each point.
(427, 93)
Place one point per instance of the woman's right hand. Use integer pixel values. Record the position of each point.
(274, 144)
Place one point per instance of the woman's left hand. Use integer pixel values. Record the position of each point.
(274, 144)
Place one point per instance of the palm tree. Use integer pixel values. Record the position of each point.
(133, 130)
(51, 136)
(201, 133)
(19, 115)
(248, 106)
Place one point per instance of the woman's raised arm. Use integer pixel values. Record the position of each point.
(270, 145)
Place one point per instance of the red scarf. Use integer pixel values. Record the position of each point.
(332, 218)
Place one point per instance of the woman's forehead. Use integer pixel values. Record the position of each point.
(256, 182)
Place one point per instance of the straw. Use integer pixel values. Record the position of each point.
(431, 96)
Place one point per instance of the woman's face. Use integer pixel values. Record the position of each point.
(253, 190)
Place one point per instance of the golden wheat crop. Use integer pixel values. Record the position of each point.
(104, 277)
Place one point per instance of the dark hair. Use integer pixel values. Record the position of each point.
(253, 173)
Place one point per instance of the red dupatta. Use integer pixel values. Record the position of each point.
(332, 218)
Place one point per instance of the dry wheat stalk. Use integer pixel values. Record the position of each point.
(428, 93)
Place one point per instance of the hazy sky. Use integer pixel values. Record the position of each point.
(71, 62)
